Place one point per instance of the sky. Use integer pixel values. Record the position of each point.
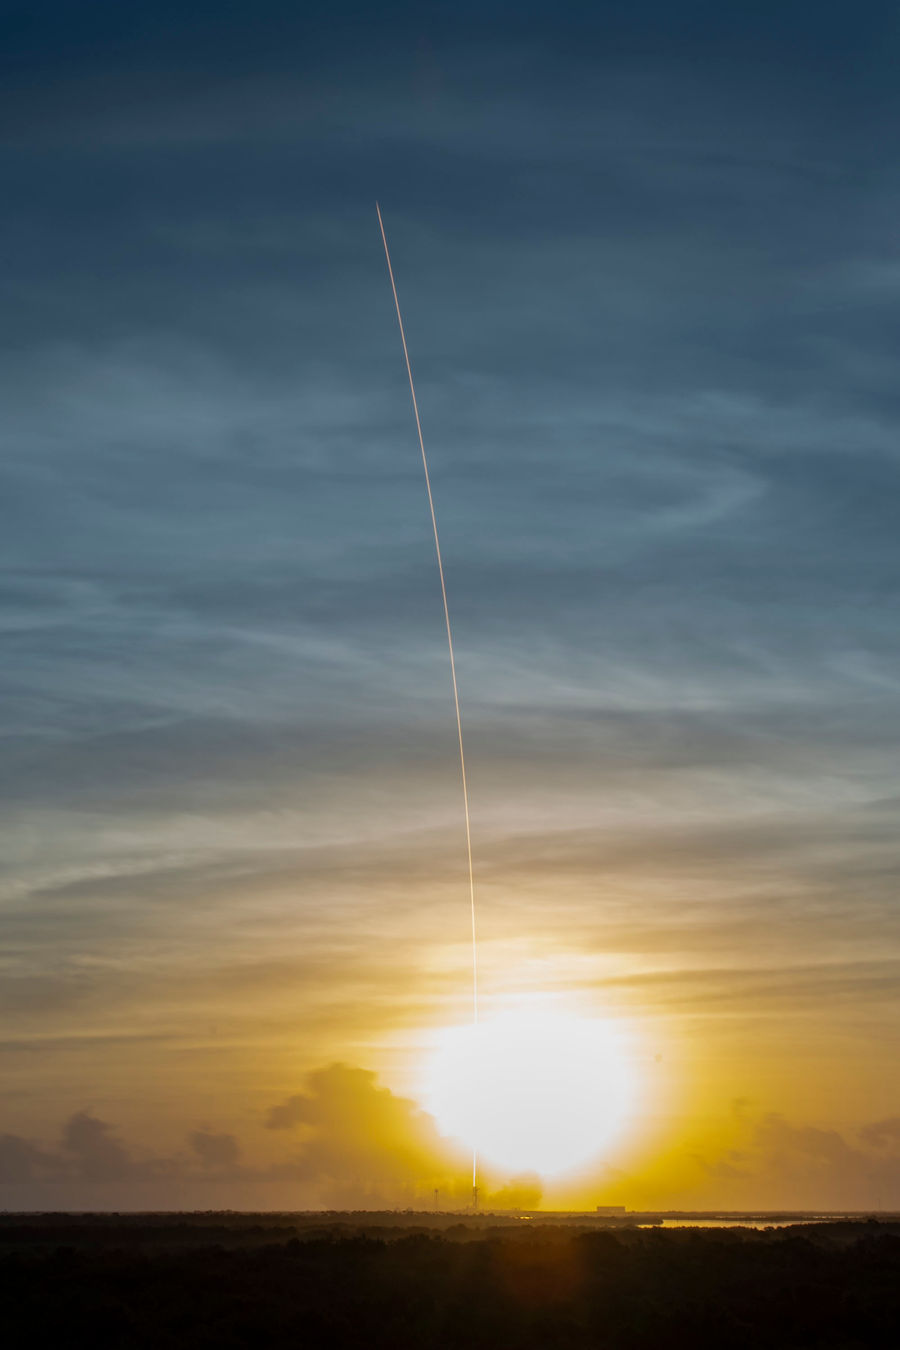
(648, 261)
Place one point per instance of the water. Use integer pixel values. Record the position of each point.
(728, 1223)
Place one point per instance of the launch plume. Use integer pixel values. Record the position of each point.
(440, 564)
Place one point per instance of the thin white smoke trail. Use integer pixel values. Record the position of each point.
(437, 549)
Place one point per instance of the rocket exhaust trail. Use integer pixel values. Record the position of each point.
(462, 757)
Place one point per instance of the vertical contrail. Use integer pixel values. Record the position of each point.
(437, 549)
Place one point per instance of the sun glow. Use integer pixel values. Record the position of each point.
(531, 1090)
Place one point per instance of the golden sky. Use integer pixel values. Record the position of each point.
(649, 300)
(209, 1000)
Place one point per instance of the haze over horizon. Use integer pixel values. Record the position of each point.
(649, 268)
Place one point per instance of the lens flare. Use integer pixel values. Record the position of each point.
(531, 1090)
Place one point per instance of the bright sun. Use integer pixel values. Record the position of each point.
(531, 1090)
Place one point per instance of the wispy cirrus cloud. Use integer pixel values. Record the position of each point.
(649, 298)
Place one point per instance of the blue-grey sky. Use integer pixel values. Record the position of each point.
(650, 273)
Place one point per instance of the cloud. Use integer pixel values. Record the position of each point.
(362, 1142)
(801, 1166)
(882, 1134)
(727, 1168)
(88, 1151)
(664, 433)
(520, 1192)
(98, 1155)
(215, 1150)
(781, 1140)
(21, 1160)
(348, 1143)
(288, 1113)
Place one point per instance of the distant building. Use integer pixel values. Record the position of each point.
(611, 1211)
